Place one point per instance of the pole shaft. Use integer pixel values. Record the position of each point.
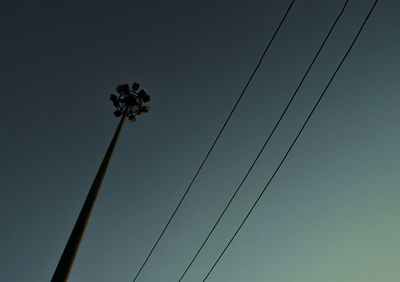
(67, 259)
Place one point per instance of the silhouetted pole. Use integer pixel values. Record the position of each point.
(129, 103)
(68, 256)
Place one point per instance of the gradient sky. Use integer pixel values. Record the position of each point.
(332, 212)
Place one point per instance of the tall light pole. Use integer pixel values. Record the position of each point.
(129, 103)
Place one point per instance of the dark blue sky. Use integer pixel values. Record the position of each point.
(331, 213)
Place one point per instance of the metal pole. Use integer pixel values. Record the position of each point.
(67, 259)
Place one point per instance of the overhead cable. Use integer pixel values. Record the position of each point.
(215, 140)
(293, 143)
(267, 140)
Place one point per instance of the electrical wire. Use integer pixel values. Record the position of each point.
(216, 139)
(268, 139)
(294, 141)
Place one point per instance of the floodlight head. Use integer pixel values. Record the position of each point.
(117, 113)
(130, 99)
(135, 86)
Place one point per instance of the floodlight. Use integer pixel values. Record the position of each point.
(119, 88)
(132, 118)
(135, 86)
(117, 113)
(125, 88)
(144, 109)
(146, 98)
(113, 97)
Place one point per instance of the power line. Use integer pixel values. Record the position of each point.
(294, 141)
(216, 139)
(267, 140)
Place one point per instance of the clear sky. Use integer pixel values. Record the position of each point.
(332, 212)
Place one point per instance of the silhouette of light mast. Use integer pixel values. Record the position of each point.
(129, 103)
